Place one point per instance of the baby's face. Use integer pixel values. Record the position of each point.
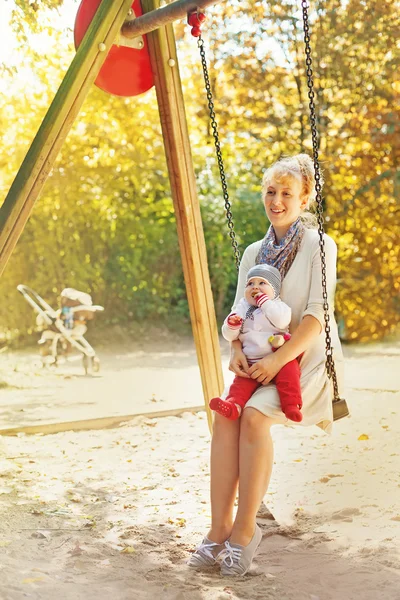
(256, 286)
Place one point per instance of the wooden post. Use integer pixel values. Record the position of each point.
(40, 158)
(187, 209)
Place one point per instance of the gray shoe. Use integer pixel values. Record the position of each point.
(236, 559)
(206, 554)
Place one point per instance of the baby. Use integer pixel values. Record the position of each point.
(261, 322)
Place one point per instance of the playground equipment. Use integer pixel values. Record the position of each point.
(64, 329)
(112, 24)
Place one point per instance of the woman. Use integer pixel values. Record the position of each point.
(242, 450)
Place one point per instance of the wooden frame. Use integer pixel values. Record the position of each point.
(18, 205)
(187, 209)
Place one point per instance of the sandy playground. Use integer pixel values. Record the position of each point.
(113, 513)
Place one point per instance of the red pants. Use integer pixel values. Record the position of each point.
(287, 383)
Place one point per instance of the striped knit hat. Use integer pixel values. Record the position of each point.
(267, 273)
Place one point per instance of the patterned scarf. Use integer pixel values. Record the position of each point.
(281, 255)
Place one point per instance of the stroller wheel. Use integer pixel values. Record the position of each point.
(95, 364)
(85, 362)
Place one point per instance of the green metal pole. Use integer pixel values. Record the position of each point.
(17, 207)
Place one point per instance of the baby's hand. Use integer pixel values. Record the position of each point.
(261, 299)
(234, 320)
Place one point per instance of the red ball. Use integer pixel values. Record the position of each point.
(193, 20)
(196, 31)
(202, 17)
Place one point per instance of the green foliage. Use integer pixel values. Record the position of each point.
(105, 221)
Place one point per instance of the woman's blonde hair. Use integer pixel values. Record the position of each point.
(301, 167)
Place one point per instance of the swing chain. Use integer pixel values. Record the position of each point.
(330, 363)
(214, 126)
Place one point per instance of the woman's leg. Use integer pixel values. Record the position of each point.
(224, 476)
(255, 468)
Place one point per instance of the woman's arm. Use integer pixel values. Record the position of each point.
(266, 369)
(315, 304)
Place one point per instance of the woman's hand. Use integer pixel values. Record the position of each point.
(238, 362)
(265, 369)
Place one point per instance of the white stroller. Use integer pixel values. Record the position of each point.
(64, 329)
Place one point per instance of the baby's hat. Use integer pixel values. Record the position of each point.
(267, 273)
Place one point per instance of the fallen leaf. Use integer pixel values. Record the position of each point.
(128, 550)
(32, 579)
(363, 436)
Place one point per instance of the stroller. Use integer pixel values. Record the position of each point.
(64, 329)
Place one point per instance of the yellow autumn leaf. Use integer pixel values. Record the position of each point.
(298, 460)
(363, 436)
(128, 550)
(32, 579)
(181, 522)
(396, 86)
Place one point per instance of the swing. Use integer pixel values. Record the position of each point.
(195, 19)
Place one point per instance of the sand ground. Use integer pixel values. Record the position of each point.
(115, 512)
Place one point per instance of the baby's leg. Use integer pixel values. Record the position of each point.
(240, 392)
(287, 383)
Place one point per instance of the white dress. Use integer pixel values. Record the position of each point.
(302, 291)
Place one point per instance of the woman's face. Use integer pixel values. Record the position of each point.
(283, 202)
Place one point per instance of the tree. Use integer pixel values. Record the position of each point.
(105, 219)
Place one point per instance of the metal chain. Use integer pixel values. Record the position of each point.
(330, 363)
(214, 126)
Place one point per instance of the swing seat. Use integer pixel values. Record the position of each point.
(340, 409)
(126, 70)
